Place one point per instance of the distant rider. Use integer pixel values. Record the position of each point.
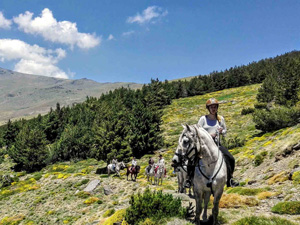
(161, 162)
(114, 163)
(150, 162)
(133, 164)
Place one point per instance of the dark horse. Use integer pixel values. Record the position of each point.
(134, 171)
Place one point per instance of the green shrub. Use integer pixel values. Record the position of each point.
(246, 111)
(276, 119)
(258, 160)
(260, 105)
(84, 181)
(246, 191)
(261, 220)
(38, 176)
(291, 208)
(153, 205)
(83, 194)
(296, 177)
(109, 212)
(116, 217)
(233, 142)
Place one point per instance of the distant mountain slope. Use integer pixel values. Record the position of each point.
(28, 95)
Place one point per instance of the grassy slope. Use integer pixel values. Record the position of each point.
(52, 199)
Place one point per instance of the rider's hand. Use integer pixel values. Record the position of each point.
(220, 129)
(213, 135)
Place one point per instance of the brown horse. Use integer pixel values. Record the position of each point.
(134, 171)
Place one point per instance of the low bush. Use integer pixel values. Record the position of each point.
(235, 200)
(292, 208)
(109, 212)
(260, 105)
(246, 111)
(276, 119)
(261, 220)
(246, 191)
(281, 177)
(233, 142)
(83, 194)
(258, 159)
(296, 177)
(118, 216)
(153, 205)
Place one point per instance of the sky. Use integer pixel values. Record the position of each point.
(140, 40)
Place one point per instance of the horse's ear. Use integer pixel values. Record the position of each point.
(188, 127)
(183, 126)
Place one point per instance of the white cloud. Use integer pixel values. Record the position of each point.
(128, 33)
(151, 14)
(4, 23)
(50, 29)
(33, 59)
(111, 37)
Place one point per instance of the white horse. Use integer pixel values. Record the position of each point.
(150, 172)
(159, 175)
(180, 167)
(210, 172)
(119, 166)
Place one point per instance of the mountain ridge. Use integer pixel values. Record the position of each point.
(26, 95)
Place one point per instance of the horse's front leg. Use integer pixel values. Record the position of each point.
(206, 201)
(215, 210)
(199, 199)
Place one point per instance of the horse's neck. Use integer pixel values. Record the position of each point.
(210, 152)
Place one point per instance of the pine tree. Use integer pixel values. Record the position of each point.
(29, 151)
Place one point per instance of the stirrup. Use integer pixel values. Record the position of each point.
(187, 184)
(233, 183)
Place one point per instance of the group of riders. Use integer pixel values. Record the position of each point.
(160, 163)
(215, 125)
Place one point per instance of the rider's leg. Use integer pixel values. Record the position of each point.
(230, 163)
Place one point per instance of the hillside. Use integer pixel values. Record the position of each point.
(54, 195)
(24, 95)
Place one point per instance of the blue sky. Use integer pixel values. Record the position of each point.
(136, 40)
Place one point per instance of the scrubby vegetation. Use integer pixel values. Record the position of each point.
(261, 220)
(246, 191)
(153, 205)
(291, 208)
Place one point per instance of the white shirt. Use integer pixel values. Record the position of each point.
(211, 126)
(134, 162)
(161, 162)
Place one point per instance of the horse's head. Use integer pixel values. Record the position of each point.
(137, 168)
(177, 159)
(122, 165)
(188, 142)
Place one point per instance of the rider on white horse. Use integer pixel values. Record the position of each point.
(215, 125)
(150, 162)
(114, 163)
(161, 163)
